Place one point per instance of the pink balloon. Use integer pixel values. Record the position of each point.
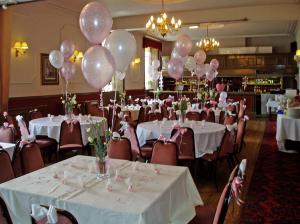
(175, 68)
(220, 87)
(200, 70)
(67, 48)
(98, 66)
(200, 57)
(95, 22)
(183, 45)
(68, 70)
(214, 63)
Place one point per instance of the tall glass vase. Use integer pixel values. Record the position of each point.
(100, 167)
(182, 116)
(68, 111)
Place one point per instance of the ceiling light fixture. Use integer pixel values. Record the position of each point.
(162, 24)
(208, 43)
(192, 27)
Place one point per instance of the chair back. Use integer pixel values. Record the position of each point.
(210, 116)
(34, 114)
(164, 111)
(135, 146)
(229, 120)
(222, 117)
(4, 214)
(172, 114)
(7, 134)
(241, 126)
(31, 158)
(232, 108)
(16, 161)
(155, 116)
(165, 153)
(120, 149)
(70, 133)
(142, 115)
(193, 115)
(6, 170)
(63, 217)
(222, 206)
(185, 142)
(227, 144)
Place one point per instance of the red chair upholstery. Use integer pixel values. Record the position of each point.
(142, 115)
(7, 134)
(193, 115)
(185, 142)
(210, 116)
(222, 117)
(229, 119)
(34, 114)
(164, 153)
(164, 111)
(155, 116)
(144, 152)
(120, 149)
(112, 116)
(16, 161)
(4, 214)
(6, 170)
(31, 158)
(64, 217)
(70, 137)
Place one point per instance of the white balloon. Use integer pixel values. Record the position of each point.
(56, 59)
(120, 75)
(190, 63)
(122, 46)
(156, 64)
(223, 95)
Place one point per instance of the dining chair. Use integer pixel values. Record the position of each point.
(119, 149)
(112, 115)
(143, 152)
(34, 114)
(239, 140)
(206, 214)
(172, 115)
(142, 115)
(63, 217)
(186, 146)
(16, 161)
(31, 157)
(4, 214)
(222, 117)
(7, 134)
(70, 138)
(210, 116)
(93, 109)
(224, 152)
(165, 153)
(193, 115)
(229, 119)
(47, 145)
(155, 116)
(164, 111)
(6, 170)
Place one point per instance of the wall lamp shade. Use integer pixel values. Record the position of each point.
(297, 56)
(21, 47)
(136, 61)
(77, 56)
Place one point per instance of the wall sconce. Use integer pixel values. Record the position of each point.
(21, 47)
(136, 61)
(77, 56)
(297, 56)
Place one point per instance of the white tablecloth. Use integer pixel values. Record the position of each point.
(217, 112)
(287, 128)
(134, 110)
(8, 147)
(167, 197)
(207, 137)
(51, 128)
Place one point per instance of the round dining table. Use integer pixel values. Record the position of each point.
(50, 126)
(207, 135)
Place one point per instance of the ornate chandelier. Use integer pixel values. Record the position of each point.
(162, 24)
(208, 43)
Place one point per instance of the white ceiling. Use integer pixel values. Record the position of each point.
(133, 15)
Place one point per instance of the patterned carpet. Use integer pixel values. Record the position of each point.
(274, 192)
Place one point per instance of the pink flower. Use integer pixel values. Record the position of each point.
(5, 114)
(5, 124)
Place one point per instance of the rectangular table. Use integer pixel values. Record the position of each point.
(167, 197)
(8, 147)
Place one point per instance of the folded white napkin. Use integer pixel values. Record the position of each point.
(52, 215)
(38, 212)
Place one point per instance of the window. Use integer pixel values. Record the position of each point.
(151, 54)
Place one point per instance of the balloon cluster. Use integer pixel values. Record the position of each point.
(100, 63)
(154, 73)
(179, 56)
(60, 59)
(209, 70)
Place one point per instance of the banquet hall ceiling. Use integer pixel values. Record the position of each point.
(264, 17)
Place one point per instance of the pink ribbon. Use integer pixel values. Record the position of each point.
(236, 189)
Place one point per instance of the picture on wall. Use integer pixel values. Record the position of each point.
(49, 74)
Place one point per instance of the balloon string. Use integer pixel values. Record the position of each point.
(62, 85)
(114, 107)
